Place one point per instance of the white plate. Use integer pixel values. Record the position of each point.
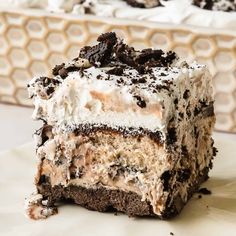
(211, 215)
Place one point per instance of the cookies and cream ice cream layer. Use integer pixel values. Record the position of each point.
(131, 164)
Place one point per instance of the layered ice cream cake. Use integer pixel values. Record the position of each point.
(124, 130)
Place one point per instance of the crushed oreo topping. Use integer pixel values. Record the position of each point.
(116, 71)
(57, 68)
(108, 37)
(63, 72)
(142, 81)
(47, 86)
(112, 50)
(100, 54)
(117, 58)
(63, 69)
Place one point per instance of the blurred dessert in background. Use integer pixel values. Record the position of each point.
(188, 12)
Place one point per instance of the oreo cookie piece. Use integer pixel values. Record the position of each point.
(64, 69)
(143, 60)
(100, 54)
(109, 37)
(110, 51)
(48, 86)
(148, 55)
(116, 71)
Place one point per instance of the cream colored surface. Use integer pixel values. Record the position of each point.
(32, 42)
(212, 215)
(16, 126)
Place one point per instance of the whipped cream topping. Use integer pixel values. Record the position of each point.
(174, 11)
(82, 99)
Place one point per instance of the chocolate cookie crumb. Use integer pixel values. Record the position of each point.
(57, 68)
(48, 84)
(186, 94)
(165, 177)
(141, 103)
(116, 71)
(63, 73)
(142, 81)
(204, 191)
(97, 55)
(148, 55)
(183, 175)
(171, 136)
(100, 54)
(109, 36)
(214, 151)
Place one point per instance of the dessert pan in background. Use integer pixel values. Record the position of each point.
(32, 42)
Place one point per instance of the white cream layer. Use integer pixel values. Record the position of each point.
(73, 104)
(174, 11)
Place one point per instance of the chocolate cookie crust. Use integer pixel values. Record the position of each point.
(105, 200)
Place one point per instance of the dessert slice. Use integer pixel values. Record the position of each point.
(124, 130)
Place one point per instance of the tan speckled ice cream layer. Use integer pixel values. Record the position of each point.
(99, 159)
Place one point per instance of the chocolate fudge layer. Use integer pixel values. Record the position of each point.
(125, 130)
